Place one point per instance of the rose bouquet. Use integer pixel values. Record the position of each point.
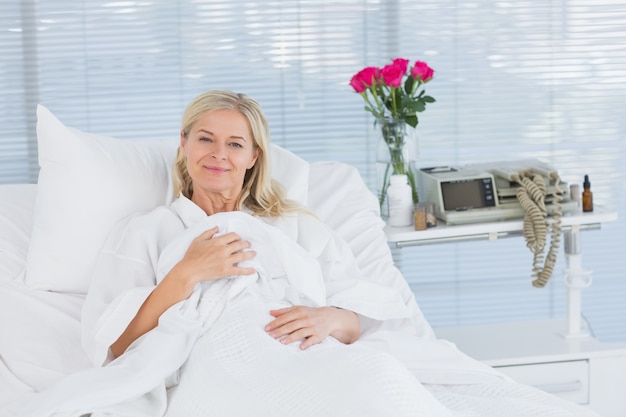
(394, 94)
(392, 91)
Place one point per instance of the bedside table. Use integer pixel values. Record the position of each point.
(558, 356)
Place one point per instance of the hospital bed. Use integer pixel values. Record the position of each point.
(51, 232)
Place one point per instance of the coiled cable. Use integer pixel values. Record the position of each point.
(532, 195)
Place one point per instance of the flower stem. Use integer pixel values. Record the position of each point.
(394, 134)
(383, 191)
(381, 110)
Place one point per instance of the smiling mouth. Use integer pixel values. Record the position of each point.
(216, 170)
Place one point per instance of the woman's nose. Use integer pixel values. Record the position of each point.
(218, 151)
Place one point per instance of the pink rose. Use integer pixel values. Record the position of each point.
(401, 63)
(422, 71)
(363, 79)
(392, 75)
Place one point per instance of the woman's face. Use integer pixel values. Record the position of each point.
(219, 149)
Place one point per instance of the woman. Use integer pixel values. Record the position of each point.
(221, 167)
(248, 359)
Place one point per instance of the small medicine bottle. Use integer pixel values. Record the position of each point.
(400, 200)
(424, 216)
(587, 195)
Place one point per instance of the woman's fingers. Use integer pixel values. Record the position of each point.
(310, 341)
(213, 257)
(282, 316)
(311, 325)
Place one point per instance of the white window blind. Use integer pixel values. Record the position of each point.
(17, 159)
(520, 80)
(513, 80)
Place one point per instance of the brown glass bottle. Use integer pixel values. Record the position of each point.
(587, 195)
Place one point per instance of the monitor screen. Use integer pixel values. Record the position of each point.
(466, 194)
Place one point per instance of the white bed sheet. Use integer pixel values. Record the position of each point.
(39, 330)
(16, 223)
(40, 340)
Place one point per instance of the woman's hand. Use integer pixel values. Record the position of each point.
(313, 324)
(209, 258)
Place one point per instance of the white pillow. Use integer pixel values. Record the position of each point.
(88, 183)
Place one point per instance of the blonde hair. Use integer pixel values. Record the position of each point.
(261, 194)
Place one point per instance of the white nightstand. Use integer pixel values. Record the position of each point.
(558, 356)
(581, 370)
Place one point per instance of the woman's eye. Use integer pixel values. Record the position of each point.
(236, 145)
(204, 139)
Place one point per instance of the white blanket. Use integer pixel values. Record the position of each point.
(135, 383)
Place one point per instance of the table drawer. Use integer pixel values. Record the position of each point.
(568, 380)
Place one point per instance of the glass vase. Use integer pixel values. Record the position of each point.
(396, 153)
